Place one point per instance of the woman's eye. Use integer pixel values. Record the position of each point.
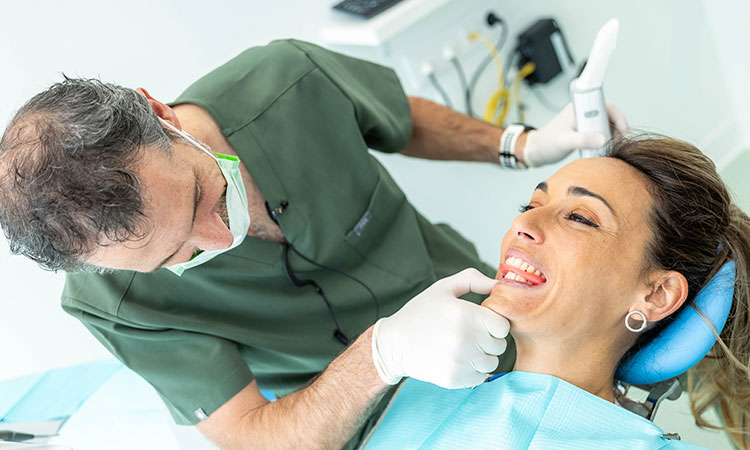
(580, 219)
(571, 216)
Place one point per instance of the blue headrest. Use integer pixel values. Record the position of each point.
(686, 340)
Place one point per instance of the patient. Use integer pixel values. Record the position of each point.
(611, 241)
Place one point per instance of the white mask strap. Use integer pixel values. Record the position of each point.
(187, 136)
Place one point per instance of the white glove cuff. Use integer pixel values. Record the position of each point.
(527, 158)
(377, 358)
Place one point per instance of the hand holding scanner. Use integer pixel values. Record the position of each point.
(586, 92)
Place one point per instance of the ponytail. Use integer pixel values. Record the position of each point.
(722, 379)
(692, 216)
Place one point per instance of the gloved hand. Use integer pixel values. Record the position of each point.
(439, 338)
(555, 140)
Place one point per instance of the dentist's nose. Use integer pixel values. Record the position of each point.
(212, 234)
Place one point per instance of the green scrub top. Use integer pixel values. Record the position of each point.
(301, 119)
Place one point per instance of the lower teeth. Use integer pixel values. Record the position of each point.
(518, 278)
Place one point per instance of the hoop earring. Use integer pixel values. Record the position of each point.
(643, 324)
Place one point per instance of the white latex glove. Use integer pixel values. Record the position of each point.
(441, 339)
(555, 140)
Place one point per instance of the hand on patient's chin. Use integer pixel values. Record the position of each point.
(439, 338)
(498, 293)
(495, 300)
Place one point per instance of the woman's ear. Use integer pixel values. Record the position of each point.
(667, 295)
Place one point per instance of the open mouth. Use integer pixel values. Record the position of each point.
(516, 269)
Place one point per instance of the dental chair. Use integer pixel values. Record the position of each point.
(679, 346)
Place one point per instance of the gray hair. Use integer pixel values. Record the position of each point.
(67, 171)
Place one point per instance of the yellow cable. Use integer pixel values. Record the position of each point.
(493, 51)
(500, 100)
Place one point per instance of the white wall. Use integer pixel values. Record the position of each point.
(160, 45)
(680, 68)
(664, 75)
(733, 57)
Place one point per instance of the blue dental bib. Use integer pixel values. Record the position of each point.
(521, 410)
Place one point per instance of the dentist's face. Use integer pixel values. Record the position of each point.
(584, 232)
(184, 197)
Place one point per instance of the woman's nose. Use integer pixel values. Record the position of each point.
(212, 234)
(527, 227)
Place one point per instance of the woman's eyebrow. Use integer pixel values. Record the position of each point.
(580, 192)
(583, 192)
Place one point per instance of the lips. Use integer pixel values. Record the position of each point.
(518, 269)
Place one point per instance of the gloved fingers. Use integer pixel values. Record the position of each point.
(579, 139)
(475, 379)
(593, 140)
(497, 326)
(550, 148)
(565, 118)
(618, 122)
(484, 364)
(465, 377)
(469, 280)
(490, 345)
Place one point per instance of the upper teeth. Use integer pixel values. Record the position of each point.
(523, 265)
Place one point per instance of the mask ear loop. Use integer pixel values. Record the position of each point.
(187, 137)
(234, 160)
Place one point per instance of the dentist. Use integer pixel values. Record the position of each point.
(243, 238)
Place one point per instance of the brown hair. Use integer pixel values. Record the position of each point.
(695, 230)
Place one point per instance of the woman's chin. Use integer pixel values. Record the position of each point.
(498, 301)
(510, 303)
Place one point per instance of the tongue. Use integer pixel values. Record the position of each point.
(530, 277)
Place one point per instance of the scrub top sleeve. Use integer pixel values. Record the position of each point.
(380, 104)
(190, 371)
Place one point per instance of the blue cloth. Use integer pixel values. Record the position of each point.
(520, 410)
(54, 394)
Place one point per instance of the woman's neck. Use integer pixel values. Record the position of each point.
(587, 367)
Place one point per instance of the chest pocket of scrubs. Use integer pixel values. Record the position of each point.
(387, 235)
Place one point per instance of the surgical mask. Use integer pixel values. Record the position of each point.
(236, 199)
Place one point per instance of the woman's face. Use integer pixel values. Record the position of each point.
(585, 231)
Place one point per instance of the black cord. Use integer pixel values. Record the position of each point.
(344, 274)
(483, 65)
(289, 273)
(436, 84)
(287, 268)
(464, 84)
(510, 59)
